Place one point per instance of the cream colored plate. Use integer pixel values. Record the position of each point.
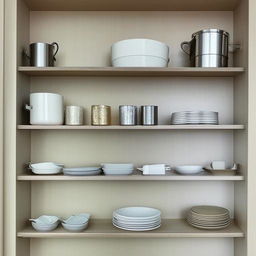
(206, 210)
(204, 227)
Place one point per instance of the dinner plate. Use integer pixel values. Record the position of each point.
(137, 213)
(136, 221)
(203, 227)
(92, 173)
(208, 210)
(137, 226)
(82, 169)
(137, 229)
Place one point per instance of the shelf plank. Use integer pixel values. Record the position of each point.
(132, 5)
(103, 228)
(170, 176)
(146, 72)
(137, 127)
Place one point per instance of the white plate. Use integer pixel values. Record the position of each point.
(117, 172)
(188, 169)
(137, 213)
(137, 225)
(136, 221)
(137, 229)
(82, 169)
(92, 173)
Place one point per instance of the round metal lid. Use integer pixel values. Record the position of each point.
(212, 30)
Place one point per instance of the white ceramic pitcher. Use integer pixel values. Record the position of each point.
(46, 109)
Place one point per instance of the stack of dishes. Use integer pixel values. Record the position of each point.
(45, 223)
(76, 223)
(117, 169)
(137, 218)
(46, 168)
(82, 171)
(195, 117)
(209, 217)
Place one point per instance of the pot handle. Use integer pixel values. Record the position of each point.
(183, 48)
(24, 52)
(27, 107)
(57, 49)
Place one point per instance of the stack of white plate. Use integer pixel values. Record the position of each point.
(137, 218)
(82, 171)
(117, 169)
(195, 117)
(46, 168)
(209, 217)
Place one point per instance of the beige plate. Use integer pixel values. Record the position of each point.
(209, 210)
(204, 227)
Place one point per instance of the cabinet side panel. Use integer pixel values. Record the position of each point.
(241, 116)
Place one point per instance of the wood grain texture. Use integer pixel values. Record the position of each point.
(103, 228)
(145, 72)
(170, 176)
(138, 127)
(132, 5)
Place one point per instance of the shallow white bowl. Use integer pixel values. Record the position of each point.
(188, 169)
(46, 168)
(75, 228)
(77, 219)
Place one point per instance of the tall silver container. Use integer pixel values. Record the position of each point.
(127, 115)
(42, 54)
(149, 115)
(208, 48)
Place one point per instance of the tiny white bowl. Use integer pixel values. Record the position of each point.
(188, 169)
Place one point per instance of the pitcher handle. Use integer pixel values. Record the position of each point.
(27, 107)
(183, 48)
(57, 49)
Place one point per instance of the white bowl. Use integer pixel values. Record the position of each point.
(45, 223)
(77, 219)
(117, 171)
(46, 168)
(188, 169)
(75, 228)
(117, 166)
(140, 53)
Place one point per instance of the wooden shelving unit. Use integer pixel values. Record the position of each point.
(139, 72)
(137, 127)
(134, 177)
(169, 229)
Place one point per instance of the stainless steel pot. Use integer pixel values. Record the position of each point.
(42, 54)
(149, 115)
(208, 48)
(127, 115)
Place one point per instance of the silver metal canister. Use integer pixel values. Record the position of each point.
(127, 115)
(74, 115)
(101, 115)
(149, 115)
(208, 48)
(42, 54)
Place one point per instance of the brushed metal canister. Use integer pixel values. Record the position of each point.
(74, 115)
(127, 115)
(149, 115)
(42, 54)
(101, 115)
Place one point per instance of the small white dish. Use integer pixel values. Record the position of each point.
(117, 166)
(117, 171)
(76, 223)
(75, 228)
(188, 169)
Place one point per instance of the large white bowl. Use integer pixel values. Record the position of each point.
(140, 53)
(189, 169)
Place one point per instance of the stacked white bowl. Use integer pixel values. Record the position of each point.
(137, 218)
(195, 117)
(76, 223)
(46, 168)
(117, 169)
(140, 53)
(45, 223)
(209, 217)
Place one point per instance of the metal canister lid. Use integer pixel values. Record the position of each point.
(211, 30)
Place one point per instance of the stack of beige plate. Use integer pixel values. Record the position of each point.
(208, 217)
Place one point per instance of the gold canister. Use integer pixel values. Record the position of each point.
(101, 115)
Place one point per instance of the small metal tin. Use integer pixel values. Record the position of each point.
(101, 115)
(74, 115)
(149, 115)
(127, 115)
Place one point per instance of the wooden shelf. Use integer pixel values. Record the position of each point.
(132, 5)
(102, 228)
(170, 176)
(137, 127)
(147, 72)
